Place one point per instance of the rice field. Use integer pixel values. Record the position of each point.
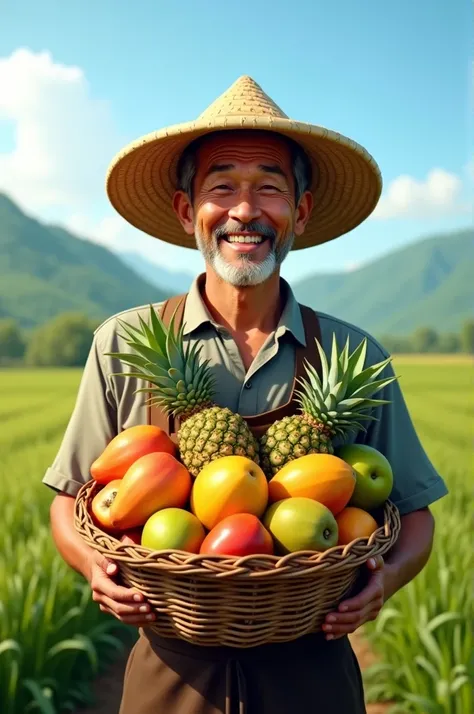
(54, 640)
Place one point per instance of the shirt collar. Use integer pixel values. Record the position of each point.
(196, 313)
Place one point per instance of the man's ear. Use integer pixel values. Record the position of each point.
(303, 212)
(184, 210)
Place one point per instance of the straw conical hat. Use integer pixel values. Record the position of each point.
(142, 178)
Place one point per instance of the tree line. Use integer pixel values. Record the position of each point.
(425, 340)
(65, 341)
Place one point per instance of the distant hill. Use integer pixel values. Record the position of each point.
(175, 282)
(428, 283)
(45, 270)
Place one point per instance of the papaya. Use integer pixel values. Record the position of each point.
(128, 446)
(155, 481)
(322, 477)
(101, 504)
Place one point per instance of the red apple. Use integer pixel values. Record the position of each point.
(239, 534)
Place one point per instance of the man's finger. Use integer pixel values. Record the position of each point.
(106, 586)
(339, 629)
(120, 608)
(375, 563)
(374, 590)
(345, 621)
(344, 617)
(137, 620)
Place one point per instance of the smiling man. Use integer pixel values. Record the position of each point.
(244, 242)
(245, 185)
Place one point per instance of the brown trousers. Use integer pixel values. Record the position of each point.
(308, 676)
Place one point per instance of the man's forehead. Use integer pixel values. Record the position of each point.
(244, 145)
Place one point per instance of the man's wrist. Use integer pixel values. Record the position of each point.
(392, 580)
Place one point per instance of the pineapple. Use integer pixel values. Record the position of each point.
(182, 385)
(331, 406)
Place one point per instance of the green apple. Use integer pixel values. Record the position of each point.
(300, 523)
(374, 475)
(173, 528)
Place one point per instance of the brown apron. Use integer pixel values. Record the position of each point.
(307, 676)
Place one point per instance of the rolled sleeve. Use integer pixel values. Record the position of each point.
(417, 484)
(92, 425)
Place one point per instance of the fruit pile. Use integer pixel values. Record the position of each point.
(149, 497)
(220, 489)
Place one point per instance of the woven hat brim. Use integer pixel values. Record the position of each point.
(141, 179)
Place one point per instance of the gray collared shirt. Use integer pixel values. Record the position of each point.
(106, 404)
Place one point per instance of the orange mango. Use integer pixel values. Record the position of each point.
(354, 523)
(322, 477)
(228, 485)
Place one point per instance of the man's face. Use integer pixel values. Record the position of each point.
(243, 214)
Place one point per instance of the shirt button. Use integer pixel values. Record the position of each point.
(248, 385)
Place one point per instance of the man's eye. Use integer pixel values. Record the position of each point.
(222, 186)
(269, 187)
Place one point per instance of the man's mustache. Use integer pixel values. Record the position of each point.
(232, 227)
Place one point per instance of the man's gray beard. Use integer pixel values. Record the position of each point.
(248, 272)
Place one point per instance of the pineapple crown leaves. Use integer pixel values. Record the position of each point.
(159, 355)
(345, 389)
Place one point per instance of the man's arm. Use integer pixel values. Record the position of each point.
(407, 558)
(411, 552)
(92, 425)
(72, 548)
(126, 604)
(416, 486)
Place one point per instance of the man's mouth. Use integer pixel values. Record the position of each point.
(239, 238)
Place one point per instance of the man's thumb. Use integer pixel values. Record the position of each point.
(375, 563)
(108, 566)
(111, 568)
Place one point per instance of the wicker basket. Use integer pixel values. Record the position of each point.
(238, 602)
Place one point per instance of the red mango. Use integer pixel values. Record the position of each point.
(239, 534)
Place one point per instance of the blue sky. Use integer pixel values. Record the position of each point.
(79, 80)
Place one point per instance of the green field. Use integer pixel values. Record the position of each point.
(54, 639)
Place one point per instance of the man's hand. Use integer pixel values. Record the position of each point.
(126, 604)
(365, 606)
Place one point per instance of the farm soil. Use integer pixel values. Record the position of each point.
(107, 689)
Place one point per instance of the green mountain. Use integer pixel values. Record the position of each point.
(428, 283)
(45, 270)
(175, 281)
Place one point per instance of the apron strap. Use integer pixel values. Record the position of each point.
(312, 331)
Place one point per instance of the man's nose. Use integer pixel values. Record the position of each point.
(245, 210)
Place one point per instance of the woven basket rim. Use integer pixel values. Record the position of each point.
(300, 563)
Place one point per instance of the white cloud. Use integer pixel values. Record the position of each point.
(63, 137)
(439, 194)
